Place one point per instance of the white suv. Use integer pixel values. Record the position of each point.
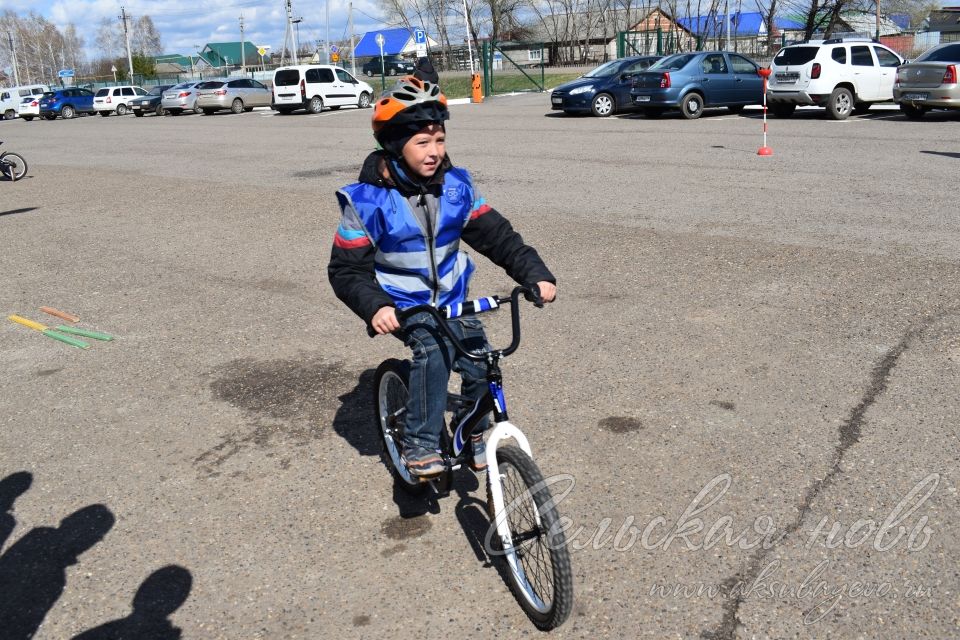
(845, 75)
(116, 99)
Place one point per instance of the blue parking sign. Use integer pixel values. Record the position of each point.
(419, 36)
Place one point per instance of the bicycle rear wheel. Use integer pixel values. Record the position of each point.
(14, 166)
(390, 384)
(537, 562)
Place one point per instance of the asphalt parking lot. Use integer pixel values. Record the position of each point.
(750, 375)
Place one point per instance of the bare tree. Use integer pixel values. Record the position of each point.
(144, 37)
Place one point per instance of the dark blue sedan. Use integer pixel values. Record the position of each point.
(602, 91)
(692, 82)
(66, 103)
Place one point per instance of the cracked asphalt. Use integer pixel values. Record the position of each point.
(750, 375)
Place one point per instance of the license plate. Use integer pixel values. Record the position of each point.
(915, 96)
(557, 100)
(641, 98)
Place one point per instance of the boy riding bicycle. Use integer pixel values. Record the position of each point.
(397, 246)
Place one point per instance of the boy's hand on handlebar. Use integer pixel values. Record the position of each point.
(385, 321)
(548, 291)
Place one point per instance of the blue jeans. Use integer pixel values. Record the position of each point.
(433, 359)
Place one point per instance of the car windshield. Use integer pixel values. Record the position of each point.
(604, 71)
(49, 94)
(947, 53)
(796, 55)
(183, 85)
(674, 63)
(103, 92)
(156, 91)
(286, 78)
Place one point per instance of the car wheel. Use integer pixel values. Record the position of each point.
(782, 110)
(68, 112)
(735, 108)
(841, 103)
(602, 105)
(139, 114)
(159, 110)
(315, 105)
(121, 109)
(391, 72)
(9, 114)
(195, 108)
(914, 113)
(364, 100)
(692, 106)
(368, 73)
(653, 112)
(237, 106)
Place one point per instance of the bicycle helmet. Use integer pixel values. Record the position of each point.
(404, 109)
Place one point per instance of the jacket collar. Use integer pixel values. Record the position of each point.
(380, 164)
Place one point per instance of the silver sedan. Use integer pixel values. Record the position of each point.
(181, 97)
(929, 82)
(238, 95)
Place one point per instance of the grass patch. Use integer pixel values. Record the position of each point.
(458, 86)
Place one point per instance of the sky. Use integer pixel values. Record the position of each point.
(185, 24)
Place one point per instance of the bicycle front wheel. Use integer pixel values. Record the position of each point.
(536, 559)
(14, 166)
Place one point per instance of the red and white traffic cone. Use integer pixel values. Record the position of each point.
(764, 150)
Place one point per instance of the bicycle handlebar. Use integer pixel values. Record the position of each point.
(474, 307)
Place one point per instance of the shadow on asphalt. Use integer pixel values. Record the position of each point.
(355, 421)
(13, 211)
(33, 573)
(945, 154)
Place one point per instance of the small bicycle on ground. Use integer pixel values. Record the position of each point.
(520, 506)
(12, 165)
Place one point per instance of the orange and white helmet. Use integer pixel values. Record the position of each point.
(410, 102)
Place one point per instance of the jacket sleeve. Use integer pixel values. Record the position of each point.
(351, 268)
(492, 235)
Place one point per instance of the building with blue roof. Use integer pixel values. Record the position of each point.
(395, 42)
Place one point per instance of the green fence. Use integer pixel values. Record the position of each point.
(505, 59)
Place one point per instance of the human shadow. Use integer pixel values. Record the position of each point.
(33, 569)
(355, 421)
(11, 488)
(162, 593)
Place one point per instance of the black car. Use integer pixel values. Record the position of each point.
(392, 66)
(149, 103)
(602, 91)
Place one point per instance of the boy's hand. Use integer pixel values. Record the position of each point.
(385, 320)
(548, 291)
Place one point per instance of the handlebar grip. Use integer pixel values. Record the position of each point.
(531, 292)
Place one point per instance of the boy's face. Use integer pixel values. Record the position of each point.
(424, 152)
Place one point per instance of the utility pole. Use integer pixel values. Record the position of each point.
(13, 51)
(296, 37)
(126, 34)
(327, 5)
(243, 49)
(878, 21)
(288, 34)
(353, 58)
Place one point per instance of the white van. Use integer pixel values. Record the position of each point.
(315, 86)
(11, 98)
(116, 99)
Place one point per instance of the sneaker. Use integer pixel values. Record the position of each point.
(421, 461)
(479, 462)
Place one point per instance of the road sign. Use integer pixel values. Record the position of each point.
(380, 40)
(419, 36)
(65, 73)
(262, 51)
(334, 49)
(334, 57)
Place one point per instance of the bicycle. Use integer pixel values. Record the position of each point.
(12, 165)
(519, 503)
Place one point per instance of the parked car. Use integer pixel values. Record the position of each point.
(313, 87)
(692, 82)
(11, 97)
(929, 82)
(149, 103)
(392, 66)
(845, 75)
(66, 103)
(180, 98)
(238, 95)
(116, 99)
(30, 108)
(602, 91)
